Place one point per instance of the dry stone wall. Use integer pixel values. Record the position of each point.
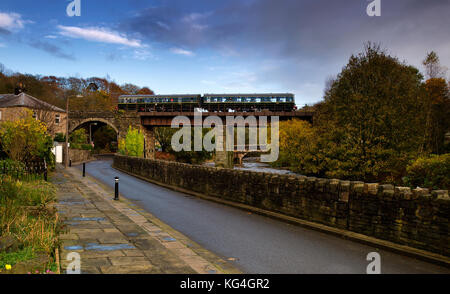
(418, 218)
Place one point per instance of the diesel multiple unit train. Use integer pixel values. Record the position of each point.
(208, 102)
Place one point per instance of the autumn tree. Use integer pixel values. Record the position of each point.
(163, 136)
(298, 147)
(130, 89)
(145, 91)
(371, 123)
(437, 108)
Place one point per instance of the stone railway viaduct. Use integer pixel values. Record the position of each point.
(120, 121)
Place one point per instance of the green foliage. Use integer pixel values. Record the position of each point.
(195, 157)
(78, 140)
(105, 139)
(163, 136)
(16, 257)
(79, 137)
(371, 123)
(298, 147)
(122, 147)
(26, 140)
(17, 170)
(133, 145)
(81, 146)
(25, 214)
(437, 109)
(60, 137)
(429, 172)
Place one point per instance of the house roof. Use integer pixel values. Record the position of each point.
(25, 100)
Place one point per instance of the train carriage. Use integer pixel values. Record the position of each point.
(249, 102)
(159, 103)
(284, 102)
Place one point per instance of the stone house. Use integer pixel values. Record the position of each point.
(15, 106)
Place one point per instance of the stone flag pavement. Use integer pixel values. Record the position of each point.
(117, 237)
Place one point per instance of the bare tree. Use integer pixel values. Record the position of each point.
(433, 67)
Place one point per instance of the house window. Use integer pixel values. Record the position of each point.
(34, 115)
(57, 119)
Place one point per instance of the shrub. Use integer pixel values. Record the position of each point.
(26, 140)
(79, 137)
(60, 137)
(133, 145)
(430, 172)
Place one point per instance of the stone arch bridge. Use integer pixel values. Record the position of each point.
(120, 121)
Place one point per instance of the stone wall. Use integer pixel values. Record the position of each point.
(417, 218)
(79, 156)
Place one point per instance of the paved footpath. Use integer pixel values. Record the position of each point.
(117, 237)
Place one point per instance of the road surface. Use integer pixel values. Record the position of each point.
(256, 244)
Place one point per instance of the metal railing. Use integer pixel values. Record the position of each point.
(25, 171)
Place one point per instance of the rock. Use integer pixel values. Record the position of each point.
(39, 263)
(8, 244)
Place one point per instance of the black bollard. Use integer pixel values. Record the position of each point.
(70, 163)
(116, 194)
(84, 170)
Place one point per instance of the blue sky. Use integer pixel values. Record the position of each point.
(212, 46)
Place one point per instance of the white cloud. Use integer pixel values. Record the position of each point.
(102, 35)
(142, 54)
(180, 51)
(11, 21)
(2, 45)
(163, 25)
(51, 37)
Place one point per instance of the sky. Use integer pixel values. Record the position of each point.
(216, 46)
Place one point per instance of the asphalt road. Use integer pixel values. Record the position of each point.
(258, 244)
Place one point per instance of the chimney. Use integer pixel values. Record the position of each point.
(18, 89)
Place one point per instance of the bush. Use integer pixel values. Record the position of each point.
(26, 140)
(79, 137)
(60, 137)
(133, 145)
(430, 172)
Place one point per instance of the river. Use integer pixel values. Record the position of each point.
(252, 164)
